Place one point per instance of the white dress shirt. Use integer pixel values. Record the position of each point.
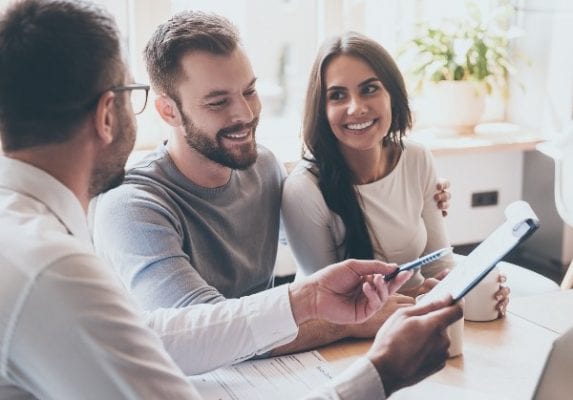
(68, 329)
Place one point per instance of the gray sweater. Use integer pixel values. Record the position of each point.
(175, 243)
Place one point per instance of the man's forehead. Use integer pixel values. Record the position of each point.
(209, 73)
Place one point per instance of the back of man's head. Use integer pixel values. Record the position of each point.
(186, 32)
(56, 58)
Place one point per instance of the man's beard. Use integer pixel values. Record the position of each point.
(110, 171)
(242, 157)
(112, 182)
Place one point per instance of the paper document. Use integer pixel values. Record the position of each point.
(277, 378)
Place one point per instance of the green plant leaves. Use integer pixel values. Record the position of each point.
(463, 50)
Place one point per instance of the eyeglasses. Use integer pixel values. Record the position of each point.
(137, 95)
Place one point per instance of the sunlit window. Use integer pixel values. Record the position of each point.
(282, 36)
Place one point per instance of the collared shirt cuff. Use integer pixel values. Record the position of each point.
(271, 320)
(359, 381)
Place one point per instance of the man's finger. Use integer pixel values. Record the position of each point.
(398, 281)
(369, 267)
(429, 284)
(378, 286)
(446, 316)
(393, 285)
(442, 311)
(434, 305)
(442, 274)
(375, 298)
(402, 299)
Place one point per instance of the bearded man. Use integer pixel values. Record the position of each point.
(197, 220)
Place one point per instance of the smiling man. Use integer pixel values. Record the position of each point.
(197, 221)
(68, 329)
(220, 92)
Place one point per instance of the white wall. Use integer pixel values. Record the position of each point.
(542, 89)
(479, 172)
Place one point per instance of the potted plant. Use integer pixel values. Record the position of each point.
(458, 63)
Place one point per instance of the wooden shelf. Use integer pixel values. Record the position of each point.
(494, 137)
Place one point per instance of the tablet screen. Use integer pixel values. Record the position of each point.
(520, 223)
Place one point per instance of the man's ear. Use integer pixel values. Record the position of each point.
(104, 117)
(168, 110)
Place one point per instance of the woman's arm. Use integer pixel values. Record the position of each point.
(433, 219)
(312, 231)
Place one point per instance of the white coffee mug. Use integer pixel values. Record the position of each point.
(480, 301)
(455, 333)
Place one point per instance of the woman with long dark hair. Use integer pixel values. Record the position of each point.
(362, 190)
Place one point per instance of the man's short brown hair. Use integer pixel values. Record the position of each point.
(183, 33)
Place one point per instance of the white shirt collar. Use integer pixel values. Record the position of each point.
(33, 182)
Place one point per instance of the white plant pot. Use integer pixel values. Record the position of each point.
(454, 105)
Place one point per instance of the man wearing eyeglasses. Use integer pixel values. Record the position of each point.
(197, 221)
(68, 330)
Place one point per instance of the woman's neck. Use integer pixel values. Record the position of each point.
(371, 165)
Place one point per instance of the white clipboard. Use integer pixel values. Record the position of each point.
(520, 223)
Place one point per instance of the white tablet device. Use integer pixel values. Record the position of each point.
(520, 223)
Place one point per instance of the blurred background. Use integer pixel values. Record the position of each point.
(525, 77)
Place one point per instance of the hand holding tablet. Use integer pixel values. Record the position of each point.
(520, 223)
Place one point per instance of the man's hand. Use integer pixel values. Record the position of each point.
(371, 326)
(348, 292)
(427, 285)
(413, 343)
(443, 196)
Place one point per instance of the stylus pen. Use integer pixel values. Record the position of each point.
(428, 258)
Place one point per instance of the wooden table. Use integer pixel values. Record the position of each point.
(502, 359)
(553, 311)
